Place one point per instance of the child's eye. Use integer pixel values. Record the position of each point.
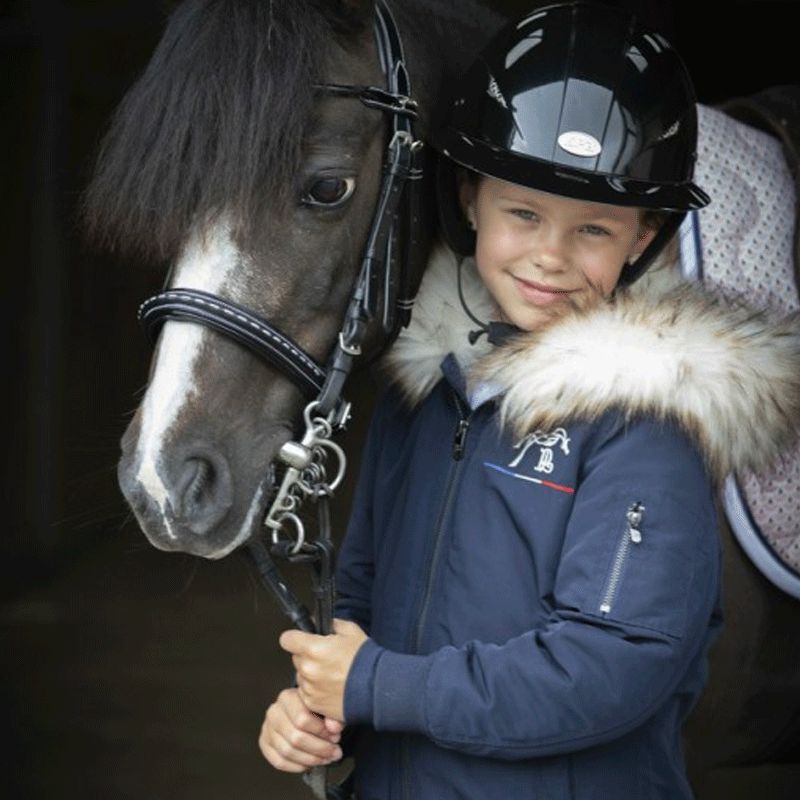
(524, 214)
(596, 230)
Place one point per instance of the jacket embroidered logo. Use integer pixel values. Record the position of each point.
(546, 440)
(545, 460)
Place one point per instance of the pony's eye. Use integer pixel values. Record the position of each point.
(329, 192)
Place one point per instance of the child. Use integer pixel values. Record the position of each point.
(530, 581)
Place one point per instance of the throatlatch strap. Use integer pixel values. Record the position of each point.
(239, 324)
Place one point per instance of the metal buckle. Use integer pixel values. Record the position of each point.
(350, 349)
(406, 139)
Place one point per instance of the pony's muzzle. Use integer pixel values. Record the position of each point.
(187, 493)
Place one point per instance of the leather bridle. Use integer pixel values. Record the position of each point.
(390, 271)
(391, 264)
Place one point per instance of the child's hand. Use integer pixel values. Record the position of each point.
(322, 664)
(293, 739)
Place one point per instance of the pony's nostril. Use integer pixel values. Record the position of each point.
(200, 482)
(202, 493)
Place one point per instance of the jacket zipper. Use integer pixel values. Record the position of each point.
(459, 446)
(459, 440)
(631, 536)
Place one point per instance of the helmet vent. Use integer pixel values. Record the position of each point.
(635, 56)
(658, 43)
(494, 92)
(570, 176)
(671, 131)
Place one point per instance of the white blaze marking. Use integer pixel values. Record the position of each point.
(206, 264)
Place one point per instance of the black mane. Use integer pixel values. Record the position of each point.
(216, 121)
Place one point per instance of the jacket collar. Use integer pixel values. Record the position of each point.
(727, 374)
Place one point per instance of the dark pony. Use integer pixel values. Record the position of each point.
(228, 161)
(225, 161)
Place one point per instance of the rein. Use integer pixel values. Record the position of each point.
(390, 271)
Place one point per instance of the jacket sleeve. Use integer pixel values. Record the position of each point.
(355, 564)
(627, 620)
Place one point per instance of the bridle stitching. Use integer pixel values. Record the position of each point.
(250, 321)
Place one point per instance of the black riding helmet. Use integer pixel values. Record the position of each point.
(579, 100)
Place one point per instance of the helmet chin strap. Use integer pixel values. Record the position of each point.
(633, 270)
(483, 327)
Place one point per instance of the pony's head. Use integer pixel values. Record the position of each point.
(227, 162)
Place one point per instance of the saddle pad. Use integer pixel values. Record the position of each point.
(745, 237)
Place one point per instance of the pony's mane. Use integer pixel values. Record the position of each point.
(216, 122)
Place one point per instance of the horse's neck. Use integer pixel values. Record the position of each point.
(441, 39)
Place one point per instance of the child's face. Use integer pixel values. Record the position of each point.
(537, 251)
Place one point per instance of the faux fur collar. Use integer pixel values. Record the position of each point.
(729, 375)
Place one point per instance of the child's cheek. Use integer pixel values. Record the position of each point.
(499, 243)
(603, 272)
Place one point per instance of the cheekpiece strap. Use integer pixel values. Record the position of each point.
(374, 97)
(384, 263)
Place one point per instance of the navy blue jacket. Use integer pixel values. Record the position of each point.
(539, 615)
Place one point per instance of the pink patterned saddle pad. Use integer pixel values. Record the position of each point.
(743, 241)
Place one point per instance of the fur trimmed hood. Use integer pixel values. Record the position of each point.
(727, 374)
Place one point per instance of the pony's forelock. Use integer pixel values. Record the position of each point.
(216, 122)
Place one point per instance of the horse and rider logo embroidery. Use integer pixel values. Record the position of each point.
(546, 441)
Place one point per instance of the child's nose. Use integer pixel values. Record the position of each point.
(550, 251)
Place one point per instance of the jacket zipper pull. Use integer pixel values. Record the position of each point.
(460, 438)
(634, 516)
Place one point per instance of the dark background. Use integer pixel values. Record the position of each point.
(127, 672)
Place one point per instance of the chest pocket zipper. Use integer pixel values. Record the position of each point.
(631, 537)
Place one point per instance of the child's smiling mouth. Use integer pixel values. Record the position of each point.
(540, 293)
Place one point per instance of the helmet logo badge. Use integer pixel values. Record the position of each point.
(578, 143)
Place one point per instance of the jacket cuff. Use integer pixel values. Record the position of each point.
(358, 688)
(400, 692)
(386, 689)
